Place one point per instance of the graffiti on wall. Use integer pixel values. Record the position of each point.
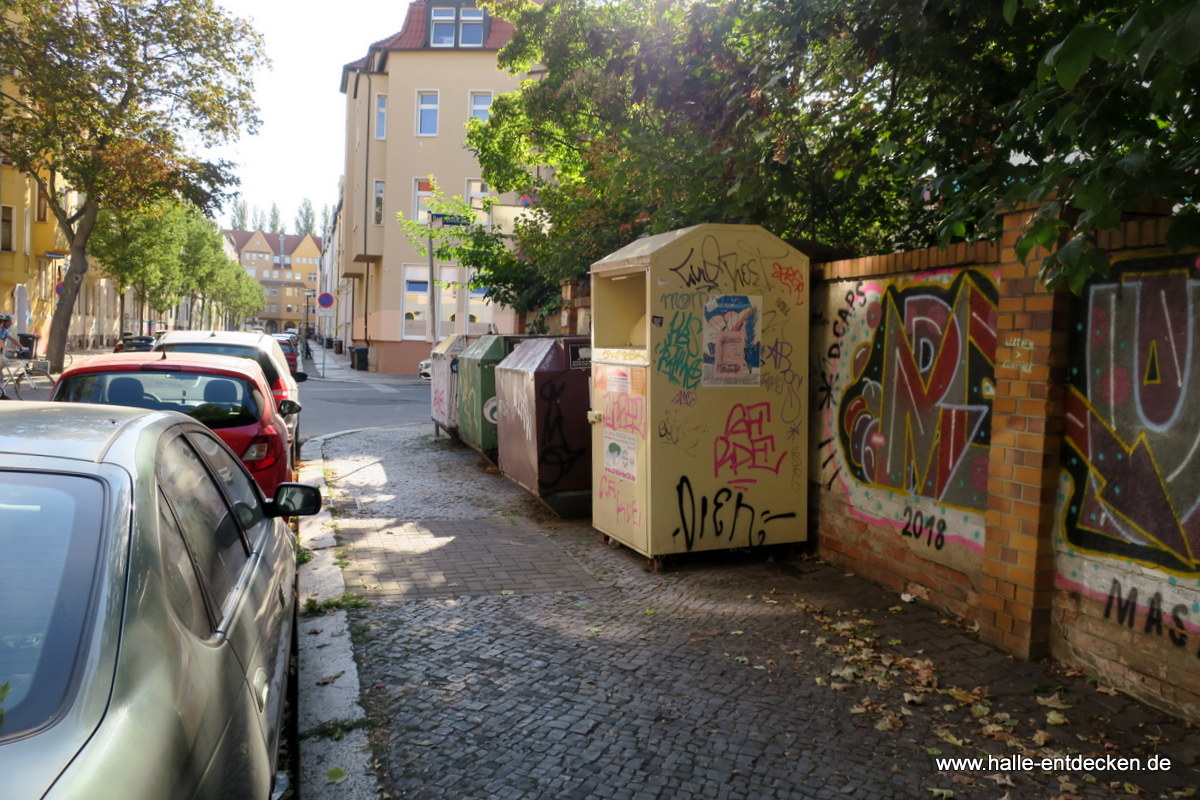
(903, 378)
(1132, 434)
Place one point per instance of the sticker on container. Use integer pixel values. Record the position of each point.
(620, 454)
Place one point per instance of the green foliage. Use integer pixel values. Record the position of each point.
(846, 126)
(106, 97)
(238, 214)
(306, 218)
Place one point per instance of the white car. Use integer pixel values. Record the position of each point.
(425, 368)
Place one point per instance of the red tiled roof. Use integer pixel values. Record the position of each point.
(290, 241)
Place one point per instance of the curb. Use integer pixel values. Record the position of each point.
(335, 755)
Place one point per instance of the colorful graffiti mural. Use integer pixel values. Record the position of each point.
(904, 383)
(1132, 437)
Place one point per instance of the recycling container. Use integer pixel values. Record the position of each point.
(477, 403)
(542, 428)
(699, 405)
(337, 346)
(443, 390)
(358, 357)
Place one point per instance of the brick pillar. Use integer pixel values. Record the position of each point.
(1017, 576)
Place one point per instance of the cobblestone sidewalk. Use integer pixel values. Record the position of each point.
(506, 654)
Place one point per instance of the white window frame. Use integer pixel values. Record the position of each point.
(439, 20)
(477, 190)
(474, 18)
(381, 116)
(8, 229)
(423, 105)
(480, 110)
(421, 198)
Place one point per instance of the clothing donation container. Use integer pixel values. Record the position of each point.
(699, 403)
(443, 370)
(477, 403)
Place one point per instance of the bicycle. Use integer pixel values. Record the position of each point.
(26, 381)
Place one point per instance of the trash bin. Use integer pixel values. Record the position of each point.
(358, 357)
(337, 346)
(29, 341)
(477, 404)
(443, 390)
(699, 391)
(542, 429)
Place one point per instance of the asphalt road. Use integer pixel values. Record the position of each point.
(332, 406)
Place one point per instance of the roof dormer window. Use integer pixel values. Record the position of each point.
(455, 27)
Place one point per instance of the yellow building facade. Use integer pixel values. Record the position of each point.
(287, 267)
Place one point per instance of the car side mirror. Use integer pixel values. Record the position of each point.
(299, 377)
(288, 407)
(294, 500)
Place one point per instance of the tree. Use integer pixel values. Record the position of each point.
(102, 99)
(306, 221)
(260, 221)
(276, 223)
(238, 214)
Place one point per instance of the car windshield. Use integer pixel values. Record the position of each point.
(218, 401)
(49, 541)
(223, 349)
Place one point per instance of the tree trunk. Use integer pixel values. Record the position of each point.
(60, 322)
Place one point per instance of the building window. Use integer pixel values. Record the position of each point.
(477, 190)
(449, 27)
(481, 105)
(43, 205)
(416, 305)
(421, 202)
(441, 32)
(377, 214)
(381, 116)
(427, 113)
(470, 32)
(6, 228)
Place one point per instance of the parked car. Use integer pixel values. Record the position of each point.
(149, 595)
(230, 395)
(290, 350)
(134, 344)
(425, 368)
(261, 347)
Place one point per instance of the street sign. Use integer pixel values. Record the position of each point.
(324, 313)
(325, 300)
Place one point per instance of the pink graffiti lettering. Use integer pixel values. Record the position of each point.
(623, 412)
(744, 446)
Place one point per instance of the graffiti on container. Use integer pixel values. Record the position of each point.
(626, 509)
(678, 354)
(744, 267)
(916, 417)
(782, 379)
(792, 280)
(557, 456)
(675, 430)
(1124, 605)
(684, 397)
(745, 446)
(724, 516)
(440, 408)
(684, 301)
(1132, 433)
(625, 412)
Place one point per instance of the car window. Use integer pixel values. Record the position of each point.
(50, 537)
(239, 487)
(224, 349)
(218, 401)
(184, 591)
(210, 528)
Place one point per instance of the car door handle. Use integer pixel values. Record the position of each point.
(262, 689)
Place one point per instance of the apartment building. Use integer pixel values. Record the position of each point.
(287, 267)
(33, 260)
(407, 103)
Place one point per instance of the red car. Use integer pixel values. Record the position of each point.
(230, 395)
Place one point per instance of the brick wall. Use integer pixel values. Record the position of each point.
(963, 415)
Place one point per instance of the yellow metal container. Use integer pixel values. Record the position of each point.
(699, 402)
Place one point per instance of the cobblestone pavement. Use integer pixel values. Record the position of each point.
(508, 654)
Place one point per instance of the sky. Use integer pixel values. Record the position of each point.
(299, 150)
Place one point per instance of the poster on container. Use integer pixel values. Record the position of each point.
(732, 341)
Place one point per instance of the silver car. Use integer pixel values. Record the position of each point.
(148, 591)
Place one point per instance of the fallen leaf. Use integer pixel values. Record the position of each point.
(1054, 701)
(506, 592)
(942, 793)
(336, 775)
(328, 679)
(1056, 718)
(1002, 779)
(1041, 737)
(1111, 691)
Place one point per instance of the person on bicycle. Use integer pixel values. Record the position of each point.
(8, 342)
